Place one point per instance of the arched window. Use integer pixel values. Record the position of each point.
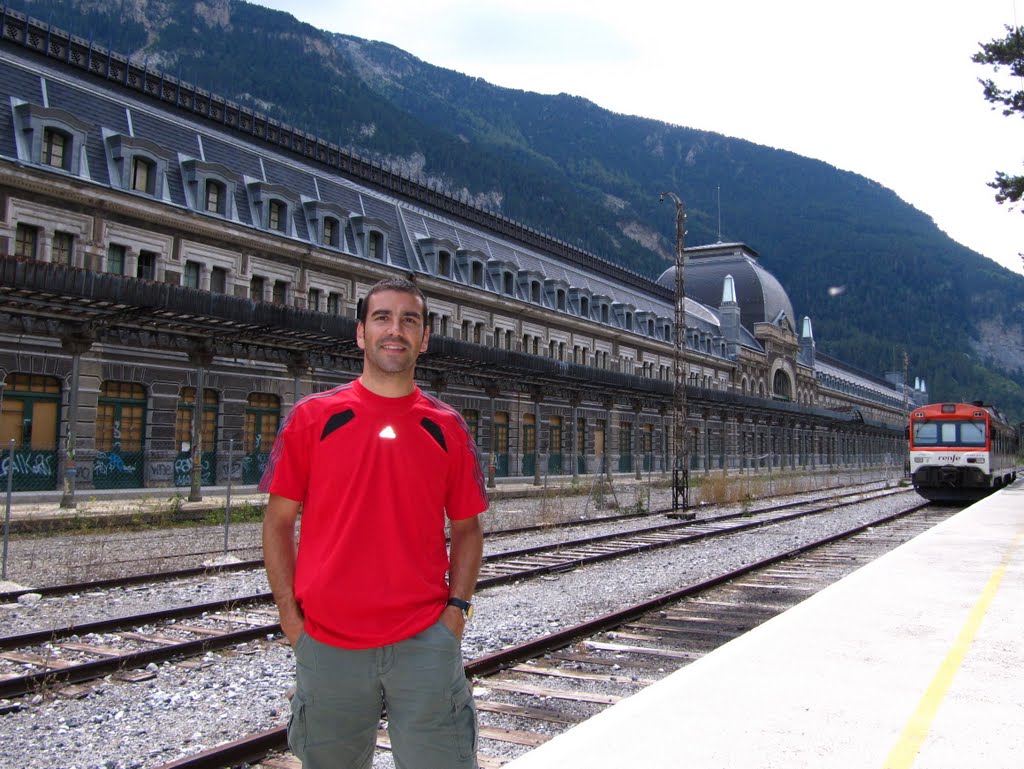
(262, 416)
(120, 432)
(30, 416)
(781, 386)
(183, 437)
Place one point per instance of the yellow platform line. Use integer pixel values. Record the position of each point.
(909, 743)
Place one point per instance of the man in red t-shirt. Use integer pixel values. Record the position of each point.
(370, 600)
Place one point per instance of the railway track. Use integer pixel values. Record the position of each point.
(530, 692)
(47, 591)
(76, 654)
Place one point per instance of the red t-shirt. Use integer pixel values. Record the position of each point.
(376, 477)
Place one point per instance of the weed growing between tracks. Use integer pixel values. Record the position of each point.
(171, 515)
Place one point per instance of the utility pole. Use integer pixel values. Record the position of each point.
(680, 458)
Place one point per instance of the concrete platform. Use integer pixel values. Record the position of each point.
(915, 660)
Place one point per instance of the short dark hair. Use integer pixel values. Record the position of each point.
(390, 284)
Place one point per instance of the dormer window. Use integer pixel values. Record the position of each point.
(501, 276)
(214, 197)
(56, 148)
(271, 207)
(604, 313)
(623, 315)
(375, 245)
(326, 223)
(136, 164)
(555, 294)
(277, 213)
(646, 323)
(371, 237)
(469, 265)
(50, 137)
(209, 188)
(143, 175)
(584, 307)
(331, 227)
(437, 256)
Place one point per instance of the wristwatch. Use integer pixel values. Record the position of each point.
(466, 606)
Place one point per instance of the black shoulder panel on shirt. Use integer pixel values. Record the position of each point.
(435, 433)
(340, 419)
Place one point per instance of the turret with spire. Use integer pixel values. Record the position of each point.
(807, 344)
(729, 312)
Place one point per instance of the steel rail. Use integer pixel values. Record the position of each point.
(87, 671)
(118, 623)
(256, 747)
(198, 571)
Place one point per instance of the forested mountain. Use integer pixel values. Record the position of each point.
(591, 177)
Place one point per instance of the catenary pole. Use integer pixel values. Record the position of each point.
(680, 454)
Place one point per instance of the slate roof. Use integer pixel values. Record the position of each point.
(761, 297)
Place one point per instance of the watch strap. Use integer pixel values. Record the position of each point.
(466, 606)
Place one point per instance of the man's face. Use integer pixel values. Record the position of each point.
(393, 335)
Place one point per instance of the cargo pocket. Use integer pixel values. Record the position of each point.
(464, 721)
(297, 727)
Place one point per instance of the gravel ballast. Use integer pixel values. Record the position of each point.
(183, 710)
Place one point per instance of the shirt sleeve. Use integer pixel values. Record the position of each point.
(467, 491)
(287, 473)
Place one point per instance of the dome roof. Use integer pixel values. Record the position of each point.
(761, 297)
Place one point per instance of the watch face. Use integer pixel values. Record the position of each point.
(468, 612)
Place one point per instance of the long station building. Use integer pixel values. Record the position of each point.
(176, 270)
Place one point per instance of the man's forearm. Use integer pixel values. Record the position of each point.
(279, 559)
(467, 548)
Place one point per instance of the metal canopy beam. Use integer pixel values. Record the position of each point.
(47, 299)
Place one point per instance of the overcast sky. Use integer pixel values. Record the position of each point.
(884, 88)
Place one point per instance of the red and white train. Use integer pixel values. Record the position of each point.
(961, 451)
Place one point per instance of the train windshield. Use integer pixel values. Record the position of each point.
(949, 433)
